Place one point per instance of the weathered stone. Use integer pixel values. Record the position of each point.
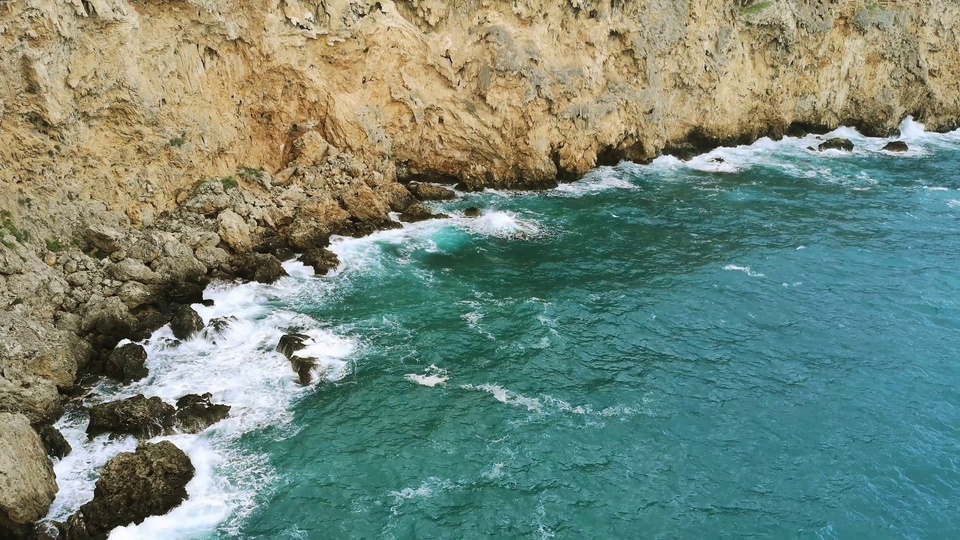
(133, 486)
(185, 322)
(431, 192)
(138, 416)
(836, 143)
(54, 442)
(419, 212)
(472, 211)
(103, 238)
(127, 363)
(276, 246)
(321, 260)
(291, 343)
(131, 270)
(258, 267)
(896, 146)
(234, 232)
(195, 413)
(218, 326)
(27, 483)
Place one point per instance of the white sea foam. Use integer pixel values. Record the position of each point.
(601, 179)
(431, 377)
(241, 368)
(745, 269)
(503, 395)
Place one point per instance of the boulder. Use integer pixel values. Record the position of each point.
(472, 211)
(133, 486)
(276, 246)
(131, 270)
(321, 260)
(54, 442)
(218, 326)
(33, 396)
(291, 343)
(419, 212)
(103, 238)
(896, 146)
(431, 192)
(234, 231)
(259, 267)
(27, 483)
(195, 413)
(138, 416)
(127, 363)
(185, 322)
(836, 143)
(304, 368)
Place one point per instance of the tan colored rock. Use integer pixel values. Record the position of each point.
(234, 231)
(27, 483)
(310, 149)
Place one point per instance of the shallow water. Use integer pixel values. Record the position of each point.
(763, 347)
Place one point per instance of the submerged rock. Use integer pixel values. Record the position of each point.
(138, 416)
(472, 211)
(54, 442)
(27, 482)
(259, 267)
(288, 346)
(133, 486)
(195, 413)
(896, 146)
(218, 326)
(185, 322)
(836, 143)
(430, 192)
(321, 260)
(127, 363)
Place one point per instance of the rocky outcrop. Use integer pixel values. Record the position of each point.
(321, 260)
(896, 146)
(132, 487)
(418, 212)
(259, 267)
(127, 363)
(430, 192)
(836, 143)
(289, 345)
(146, 418)
(186, 322)
(195, 413)
(138, 416)
(54, 442)
(27, 482)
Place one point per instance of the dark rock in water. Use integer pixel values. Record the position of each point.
(195, 413)
(718, 160)
(276, 246)
(185, 322)
(288, 346)
(419, 212)
(358, 229)
(430, 192)
(206, 302)
(836, 143)
(53, 441)
(683, 151)
(259, 267)
(218, 326)
(137, 416)
(127, 363)
(322, 260)
(291, 343)
(896, 146)
(303, 367)
(184, 292)
(472, 211)
(148, 320)
(133, 486)
(797, 130)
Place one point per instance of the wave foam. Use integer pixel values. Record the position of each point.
(745, 269)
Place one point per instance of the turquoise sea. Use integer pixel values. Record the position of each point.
(759, 343)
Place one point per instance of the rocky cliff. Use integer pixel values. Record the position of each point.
(147, 146)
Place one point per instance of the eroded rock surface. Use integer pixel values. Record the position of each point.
(132, 487)
(27, 482)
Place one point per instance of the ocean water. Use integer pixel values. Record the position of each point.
(763, 347)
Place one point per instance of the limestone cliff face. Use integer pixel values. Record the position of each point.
(126, 101)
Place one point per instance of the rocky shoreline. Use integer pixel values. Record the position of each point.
(118, 282)
(115, 282)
